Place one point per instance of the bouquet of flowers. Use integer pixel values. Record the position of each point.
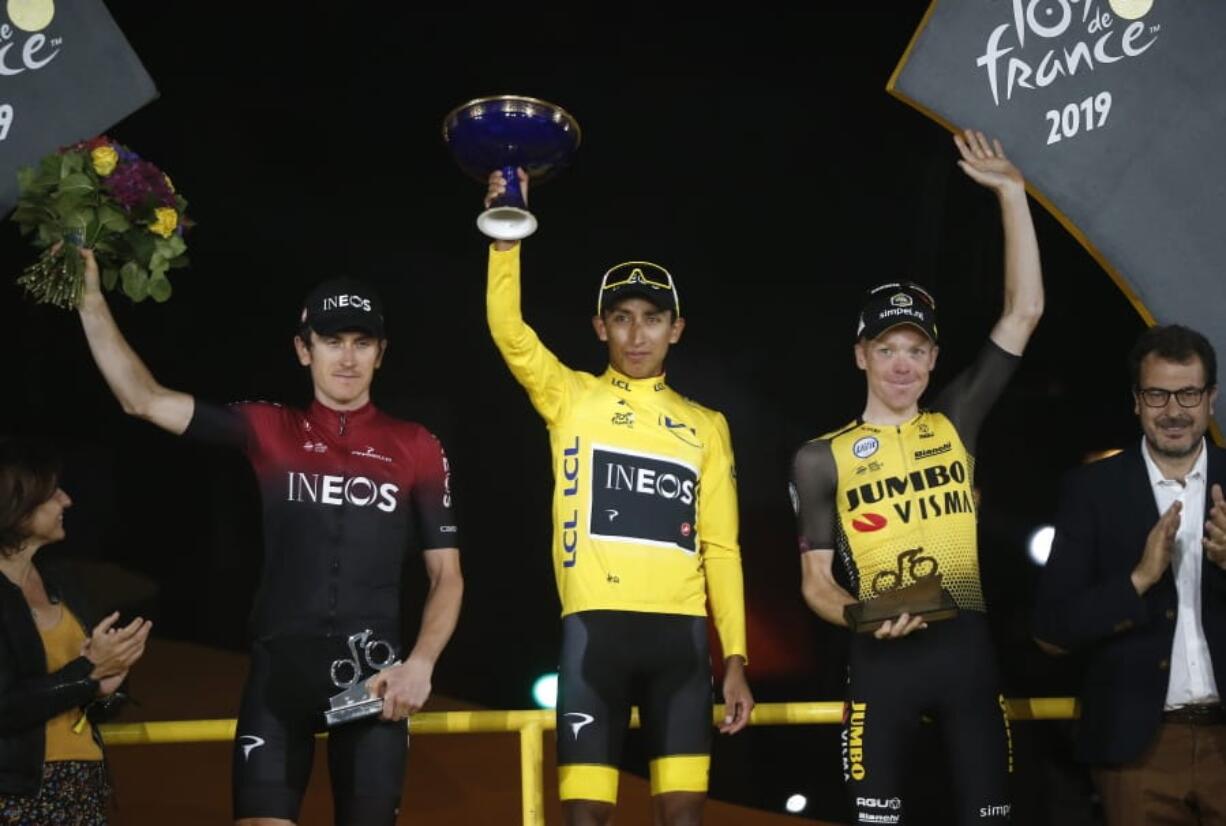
(101, 195)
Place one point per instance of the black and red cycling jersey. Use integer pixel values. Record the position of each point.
(344, 493)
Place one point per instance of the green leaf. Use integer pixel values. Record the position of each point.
(135, 281)
(47, 235)
(176, 245)
(71, 163)
(159, 288)
(142, 244)
(180, 262)
(76, 182)
(158, 267)
(110, 277)
(112, 219)
(26, 176)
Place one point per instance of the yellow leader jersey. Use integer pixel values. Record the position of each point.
(897, 502)
(644, 503)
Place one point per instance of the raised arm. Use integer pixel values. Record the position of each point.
(986, 164)
(541, 373)
(134, 386)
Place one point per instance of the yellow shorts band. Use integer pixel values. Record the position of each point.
(587, 781)
(680, 773)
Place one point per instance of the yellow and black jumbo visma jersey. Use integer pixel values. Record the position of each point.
(644, 504)
(906, 507)
(897, 502)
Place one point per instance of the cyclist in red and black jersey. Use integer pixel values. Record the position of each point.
(892, 493)
(345, 489)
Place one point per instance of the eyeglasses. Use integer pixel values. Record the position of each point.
(642, 273)
(637, 276)
(1157, 397)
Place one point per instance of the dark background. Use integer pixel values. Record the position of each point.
(758, 157)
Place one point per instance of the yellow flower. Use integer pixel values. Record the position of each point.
(168, 183)
(104, 160)
(167, 220)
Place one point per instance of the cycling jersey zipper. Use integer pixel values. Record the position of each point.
(342, 426)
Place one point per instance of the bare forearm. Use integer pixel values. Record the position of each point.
(1023, 301)
(827, 600)
(125, 373)
(438, 618)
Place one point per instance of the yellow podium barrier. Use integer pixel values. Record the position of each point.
(531, 726)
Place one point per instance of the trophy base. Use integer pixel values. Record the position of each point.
(925, 598)
(354, 711)
(506, 223)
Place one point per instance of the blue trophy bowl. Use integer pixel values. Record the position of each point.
(506, 133)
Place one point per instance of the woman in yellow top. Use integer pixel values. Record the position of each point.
(51, 670)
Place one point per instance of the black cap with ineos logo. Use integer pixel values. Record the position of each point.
(343, 305)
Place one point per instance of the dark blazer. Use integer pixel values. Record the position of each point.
(1086, 603)
(29, 696)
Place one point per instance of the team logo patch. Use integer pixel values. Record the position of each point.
(865, 447)
(901, 300)
(869, 522)
(653, 497)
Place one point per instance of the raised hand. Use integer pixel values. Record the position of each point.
(985, 163)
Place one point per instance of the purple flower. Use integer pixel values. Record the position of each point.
(139, 183)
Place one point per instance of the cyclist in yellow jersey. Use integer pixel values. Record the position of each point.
(892, 494)
(645, 528)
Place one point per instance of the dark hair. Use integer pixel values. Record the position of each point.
(1173, 343)
(29, 475)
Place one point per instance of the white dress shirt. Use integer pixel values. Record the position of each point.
(1191, 680)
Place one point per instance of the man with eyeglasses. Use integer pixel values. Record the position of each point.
(892, 493)
(1136, 583)
(645, 529)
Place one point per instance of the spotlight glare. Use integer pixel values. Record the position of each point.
(796, 803)
(1040, 544)
(545, 691)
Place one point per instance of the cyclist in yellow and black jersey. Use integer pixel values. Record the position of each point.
(645, 530)
(892, 495)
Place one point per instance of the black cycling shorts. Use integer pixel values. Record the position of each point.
(947, 671)
(612, 660)
(283, 702)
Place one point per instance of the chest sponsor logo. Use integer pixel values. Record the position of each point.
(681, 430)
(869, 522)
(925, 431)
(624, 418)
(358, 491)
(929, 452)
(654, 498)
(370, 453)
(865, 447)
(314, 447)
(917, 481)
(922, 494)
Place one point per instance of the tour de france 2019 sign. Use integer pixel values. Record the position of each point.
(66, 73)
(1115, 110)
